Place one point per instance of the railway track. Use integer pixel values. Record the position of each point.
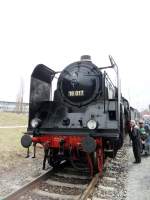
(64, 185)
(68, 184)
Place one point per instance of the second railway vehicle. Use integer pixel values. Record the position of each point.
(85, 120)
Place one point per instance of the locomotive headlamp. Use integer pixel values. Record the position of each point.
(91, 124)
(35, 122)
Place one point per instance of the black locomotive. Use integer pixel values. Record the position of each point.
(84, 120)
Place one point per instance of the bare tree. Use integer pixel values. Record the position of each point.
(20, 95)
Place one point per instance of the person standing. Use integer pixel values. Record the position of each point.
(136, 143)
(141, 127)
(143, 135)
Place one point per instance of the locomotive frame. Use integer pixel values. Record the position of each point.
(74, 126)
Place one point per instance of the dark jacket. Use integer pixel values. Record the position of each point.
(136, 143)
(134, 133)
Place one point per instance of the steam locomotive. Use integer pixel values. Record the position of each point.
(83, 121)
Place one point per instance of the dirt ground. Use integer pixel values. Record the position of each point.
(133, 182)
(138, 182)
(19, 171)
(15, 169)
(10, 146)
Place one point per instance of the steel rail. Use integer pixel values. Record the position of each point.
(28, 186)
(90, 188)
(33, 184)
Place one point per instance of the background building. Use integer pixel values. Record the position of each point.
(6, 106)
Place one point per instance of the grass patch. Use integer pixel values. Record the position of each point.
(10, 139)
(12, 152)
(10, 119)
(10, 148)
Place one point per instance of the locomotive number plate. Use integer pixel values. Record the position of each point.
(76, 93)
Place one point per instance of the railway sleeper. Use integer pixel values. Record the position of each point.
(69, 185)
(55, 195)
(72, 176)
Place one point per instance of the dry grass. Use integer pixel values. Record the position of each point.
(10, 119)
(10, 146)
(10, 139)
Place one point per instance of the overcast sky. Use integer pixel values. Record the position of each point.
(58, 32)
